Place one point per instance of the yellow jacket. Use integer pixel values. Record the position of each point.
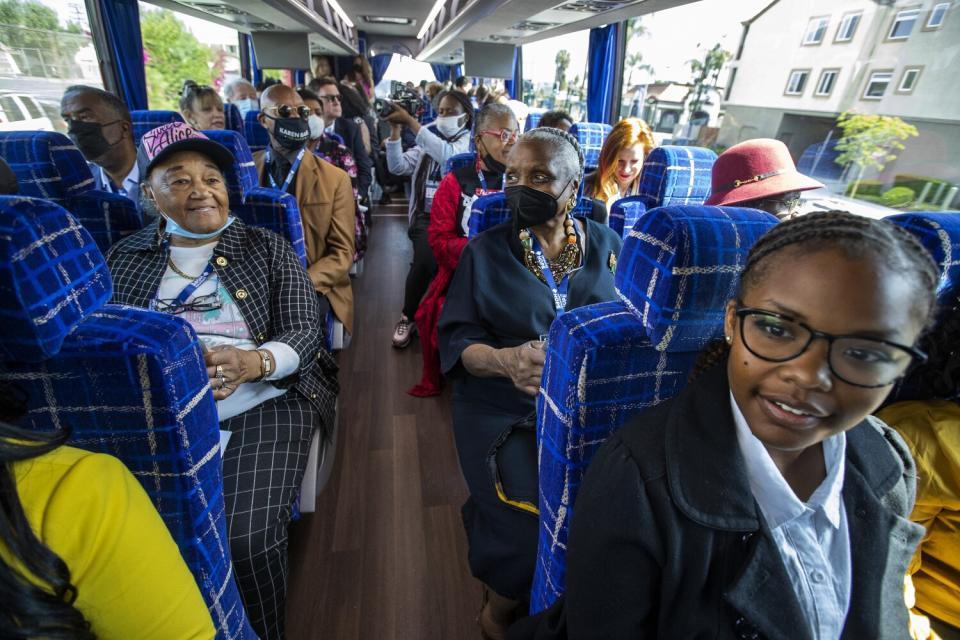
(932, 431)
(131, 580)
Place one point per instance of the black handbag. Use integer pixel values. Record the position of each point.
(512, 464)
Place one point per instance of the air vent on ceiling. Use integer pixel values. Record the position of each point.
(217, 9)
(593, 6)
(388, 20)
(529, 25)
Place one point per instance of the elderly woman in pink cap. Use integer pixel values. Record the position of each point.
(245, 293)
(759, 174)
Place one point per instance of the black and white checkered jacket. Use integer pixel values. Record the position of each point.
(266, 281)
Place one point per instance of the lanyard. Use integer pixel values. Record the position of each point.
(193, 286)
(290, 174)
(559, 291)
(483, 183)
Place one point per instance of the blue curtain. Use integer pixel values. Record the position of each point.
(121, 21)
(514, 85)
(441, 72)
(601, 57)
(379, 64)
(299, 77)
(256, 75)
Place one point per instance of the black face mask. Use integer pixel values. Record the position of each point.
(530, 207)
(491, 164)
(88, 136)
(290, 133)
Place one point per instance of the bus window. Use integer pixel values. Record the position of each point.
(404, 69)
(45, 46)
(178, 47)
(555, 74)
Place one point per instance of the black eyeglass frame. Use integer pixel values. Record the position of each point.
(200, 304)
(303, 111)
(742, 312)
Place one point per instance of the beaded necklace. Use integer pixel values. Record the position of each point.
(565, 263)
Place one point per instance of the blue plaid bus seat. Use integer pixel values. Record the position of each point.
(257, 137)
(242, 177)
(458, 160)
(533, 120)
(624, 214)
(278, 211)
(232, 120)
(674, 175)
(146, 119)
(128, 382)
(487, 212)
(591, 135)
(52, 275)
(49, 166)
(608, 362)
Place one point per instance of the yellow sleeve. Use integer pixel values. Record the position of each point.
(131, 580)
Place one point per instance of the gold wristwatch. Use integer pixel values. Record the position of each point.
(266, 363)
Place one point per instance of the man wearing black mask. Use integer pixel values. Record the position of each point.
(100, 125)
(323, 192)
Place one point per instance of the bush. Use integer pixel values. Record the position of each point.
(866, 188)
(917, 183)
(898, 197)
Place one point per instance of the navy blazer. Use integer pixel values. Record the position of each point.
(667, 540)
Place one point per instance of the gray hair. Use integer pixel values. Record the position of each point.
(565, 145)
(492, 111)
(231, 87)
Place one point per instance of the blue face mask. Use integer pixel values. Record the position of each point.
(248, 104)
(174, 229)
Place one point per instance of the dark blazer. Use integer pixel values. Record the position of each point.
(350, 132)
(667, 540)
(267, 282)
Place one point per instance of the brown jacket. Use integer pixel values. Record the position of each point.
(328, 213)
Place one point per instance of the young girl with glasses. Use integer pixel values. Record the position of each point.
(764, 501)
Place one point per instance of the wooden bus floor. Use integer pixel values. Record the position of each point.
(384, 555)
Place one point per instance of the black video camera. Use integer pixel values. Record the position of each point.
(408, 99)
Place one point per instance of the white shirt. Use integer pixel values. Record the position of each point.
(130, 186)
(812, 537)
(407, 163)
(225, 326)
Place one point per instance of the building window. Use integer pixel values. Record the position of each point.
(828, 78)
(909, 79)
(848, 27)
(797, 82)
(937, 15)
(877, 85)
(903, 24)
(816, 29)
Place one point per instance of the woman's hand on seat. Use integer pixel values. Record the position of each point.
(237, 365)
(524, 365)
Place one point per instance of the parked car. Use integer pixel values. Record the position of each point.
(20, 112)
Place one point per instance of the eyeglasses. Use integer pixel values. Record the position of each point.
(862, 362)
(286, 111)
(505, 135)
(783, 208)
(332, 98)
(209, 302)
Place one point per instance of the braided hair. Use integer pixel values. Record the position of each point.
(854, 236)
(566, 146)
(939, 376)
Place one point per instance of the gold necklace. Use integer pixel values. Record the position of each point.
(178, 272)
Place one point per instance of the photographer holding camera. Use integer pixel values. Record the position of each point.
(448, 135)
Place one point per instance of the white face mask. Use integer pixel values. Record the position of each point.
(449, 125)
(316, 126)
(248, 104)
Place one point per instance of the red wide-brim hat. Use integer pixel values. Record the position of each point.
(756, 169)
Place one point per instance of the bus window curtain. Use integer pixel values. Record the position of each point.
(121, 21)
(299, 77)
(514, 85)
(601, 71)
(379, 64)
(256, 75)
(441, 72)
(456, 70)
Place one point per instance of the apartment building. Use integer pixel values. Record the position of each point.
(801, 63)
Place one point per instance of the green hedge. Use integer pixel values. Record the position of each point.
(866, 188)
(917, 183)
(898, 197)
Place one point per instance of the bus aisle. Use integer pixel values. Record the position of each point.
(384, 556)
